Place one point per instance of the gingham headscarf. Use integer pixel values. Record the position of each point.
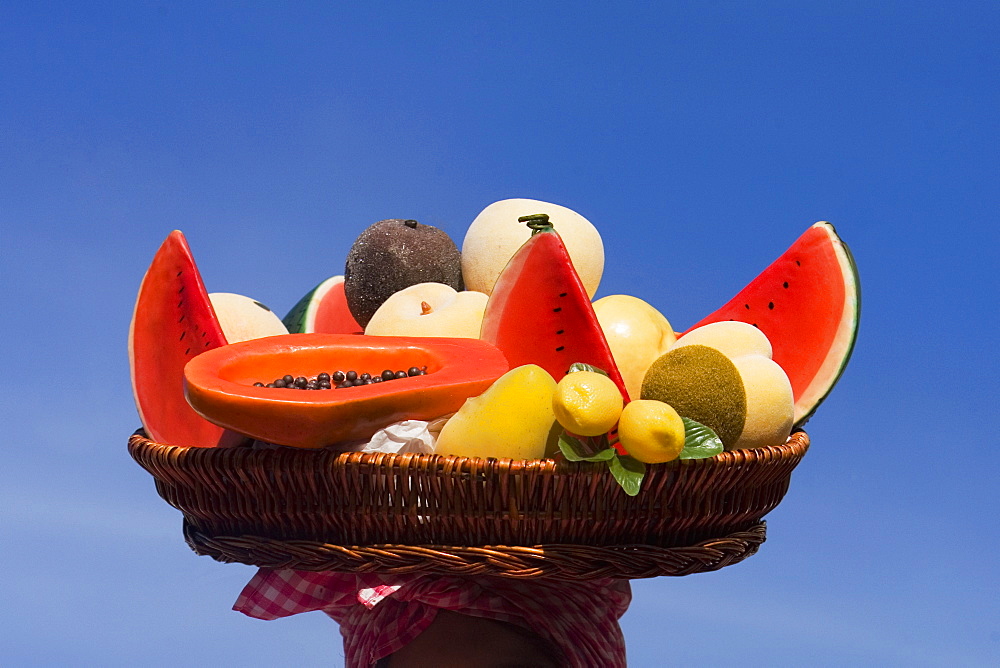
(378, 615)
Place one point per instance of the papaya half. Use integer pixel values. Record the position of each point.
(219, 384)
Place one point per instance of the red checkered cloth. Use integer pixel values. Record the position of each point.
(378, 615)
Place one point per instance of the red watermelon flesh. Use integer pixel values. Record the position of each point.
(807, 303)
(173, 321)
(540, 312)
(323, 310)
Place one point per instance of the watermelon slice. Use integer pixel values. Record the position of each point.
(173, 321)
(808, 304)
(540, 312)
(323, 310)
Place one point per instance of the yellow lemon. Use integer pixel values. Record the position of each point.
(587, 403)
(651, 431)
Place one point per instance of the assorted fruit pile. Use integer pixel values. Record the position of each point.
(504, 338)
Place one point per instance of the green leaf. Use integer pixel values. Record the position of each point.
(699, 441)
(575, 451)
(628, 472)
(580, 366)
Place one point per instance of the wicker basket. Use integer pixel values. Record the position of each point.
(322, 510)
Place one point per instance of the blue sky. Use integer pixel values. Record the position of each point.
(700, 138)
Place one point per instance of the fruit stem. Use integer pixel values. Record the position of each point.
(425, 308)
(538, 222)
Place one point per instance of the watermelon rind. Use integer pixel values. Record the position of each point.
(302, 318)
(847, 333)
(793, 321)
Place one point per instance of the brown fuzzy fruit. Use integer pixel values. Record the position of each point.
(702, 384)
(392, 255)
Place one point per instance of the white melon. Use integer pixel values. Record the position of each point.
(243, 318)
(495, 235)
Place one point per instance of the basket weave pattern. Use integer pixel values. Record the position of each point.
(322, 510)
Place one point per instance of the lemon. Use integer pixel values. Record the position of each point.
(587, 403)
(651, 431)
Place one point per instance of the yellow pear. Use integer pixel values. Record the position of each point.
(512, 418)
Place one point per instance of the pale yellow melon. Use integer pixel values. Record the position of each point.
(770, 404)
(730, 337)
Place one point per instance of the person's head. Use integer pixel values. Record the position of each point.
(455, 640)
(444, 621)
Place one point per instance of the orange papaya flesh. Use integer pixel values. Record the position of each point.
(173, 321)
(219, 384)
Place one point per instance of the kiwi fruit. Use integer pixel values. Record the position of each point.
(701, 384)
(394, 254)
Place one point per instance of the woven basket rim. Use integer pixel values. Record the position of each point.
(547, 561)
(796, 446)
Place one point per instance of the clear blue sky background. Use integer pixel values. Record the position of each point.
(701, 139)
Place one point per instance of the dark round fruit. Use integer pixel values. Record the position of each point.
(394, 254)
